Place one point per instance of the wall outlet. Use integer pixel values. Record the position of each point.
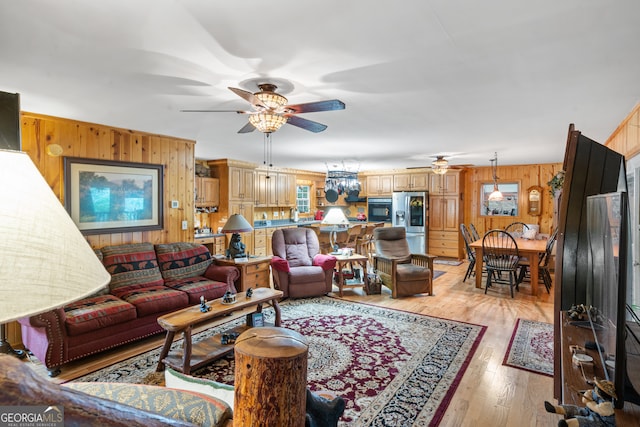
(175, 204)
(275, 214)
(185, 225)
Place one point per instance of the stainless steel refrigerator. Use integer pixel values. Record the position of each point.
(410, 210)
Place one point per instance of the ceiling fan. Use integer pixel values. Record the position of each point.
(271, 111)
(441, 165)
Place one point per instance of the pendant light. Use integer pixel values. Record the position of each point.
(496, 196)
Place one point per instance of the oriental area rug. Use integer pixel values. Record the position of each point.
(531, 347)
(393, 368)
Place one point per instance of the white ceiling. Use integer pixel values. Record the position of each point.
(463, 78)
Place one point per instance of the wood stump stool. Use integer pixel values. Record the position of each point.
(270, 378)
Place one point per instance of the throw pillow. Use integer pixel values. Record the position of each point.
(180, 381)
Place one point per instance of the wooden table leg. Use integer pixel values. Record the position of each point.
(276, 308)
(479, 265)
(186, 356)
(534, 272)
(165, 350)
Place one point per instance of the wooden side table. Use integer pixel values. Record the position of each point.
(352, 260)
(254, 272)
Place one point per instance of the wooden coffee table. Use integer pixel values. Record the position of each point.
(194, 356)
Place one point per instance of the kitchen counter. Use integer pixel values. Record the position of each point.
(208, 235)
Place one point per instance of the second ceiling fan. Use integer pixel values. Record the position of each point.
(271, 111)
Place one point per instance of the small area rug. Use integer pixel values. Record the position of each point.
(447, 262)
(437, 273)
(531, 347)
(393, 368)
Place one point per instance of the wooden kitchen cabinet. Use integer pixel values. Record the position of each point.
(411, 182)
(260, 242)
(215, 244)
(378, 185)
(286, 189)
(447, 184)
(444, 237)
(241, 184)
(207, 191)
(275, 189)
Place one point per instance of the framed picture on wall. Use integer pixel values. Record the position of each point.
(106, 196)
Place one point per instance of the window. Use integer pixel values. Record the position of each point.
(302, 198)
(508, 206)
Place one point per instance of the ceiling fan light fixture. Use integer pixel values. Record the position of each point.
(440, 165)
(271, 99)
(267, 122)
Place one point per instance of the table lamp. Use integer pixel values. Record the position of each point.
(336, 218)
(236, 224)
(45, 262)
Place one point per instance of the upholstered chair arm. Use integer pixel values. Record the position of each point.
(280, 264)
(222, 273)
(327, 262)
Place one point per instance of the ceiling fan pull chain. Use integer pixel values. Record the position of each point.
(267, 156)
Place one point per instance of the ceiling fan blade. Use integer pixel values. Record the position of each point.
(305, 124)
(215, 111)
(311, 107)
(247, 128)
(247, 96)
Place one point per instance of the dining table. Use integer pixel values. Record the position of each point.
(530, 249)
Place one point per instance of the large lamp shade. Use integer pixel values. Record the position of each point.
(336, 218)
(45, 262)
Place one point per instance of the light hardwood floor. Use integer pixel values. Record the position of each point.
(489, 394)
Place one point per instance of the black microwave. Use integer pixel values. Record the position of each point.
(379, 209)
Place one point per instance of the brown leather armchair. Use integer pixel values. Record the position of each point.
(400, 270)
(298, 267)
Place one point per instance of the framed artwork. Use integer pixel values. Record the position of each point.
(106, 196)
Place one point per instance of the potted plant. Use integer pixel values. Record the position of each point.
(556, 183)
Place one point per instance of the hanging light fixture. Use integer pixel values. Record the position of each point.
(440, 165)
(271, 99)
(267, 122)
(268, 118)
(496, 196)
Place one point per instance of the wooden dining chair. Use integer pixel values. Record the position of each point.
(543, 263)
(516, 229)
(471, 254)
(352, 236)
(474, 232)
(500, 253)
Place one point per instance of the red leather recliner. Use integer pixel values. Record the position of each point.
(298, 267)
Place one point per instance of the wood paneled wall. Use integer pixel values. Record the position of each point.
(626, 138)
(88, 140)
(527, 176)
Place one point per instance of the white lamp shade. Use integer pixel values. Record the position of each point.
(237, 224)
(335, 216)
(45, 262)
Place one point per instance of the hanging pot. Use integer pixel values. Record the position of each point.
(331, 196)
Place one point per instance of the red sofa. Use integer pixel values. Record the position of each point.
(147, 281)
